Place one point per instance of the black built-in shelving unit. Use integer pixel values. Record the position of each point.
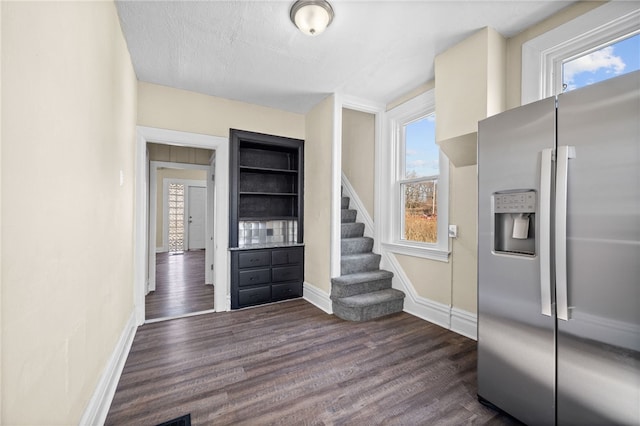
(266, 184)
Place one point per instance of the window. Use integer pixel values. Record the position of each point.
(419, 181)
(617, 58)
(556, 57)
(176, 218)
(417, 172)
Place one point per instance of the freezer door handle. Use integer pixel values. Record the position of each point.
(562, 173)
(545, 230)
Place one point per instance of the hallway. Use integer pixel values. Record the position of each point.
(180, 287)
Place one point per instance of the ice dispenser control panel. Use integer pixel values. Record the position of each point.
(514, 222)
(520, 202)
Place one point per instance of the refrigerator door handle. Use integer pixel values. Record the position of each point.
(545, 230)
(565, 153)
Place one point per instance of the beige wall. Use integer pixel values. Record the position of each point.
(514, 45)
(429, 278)
(463, 208)
(170, 174)
(425, 87)
(167, 108)
(69, 110)
(461, 86)
(317, 195)
(358, 154)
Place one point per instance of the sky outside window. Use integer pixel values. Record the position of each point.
(421, 151)
(611, 61)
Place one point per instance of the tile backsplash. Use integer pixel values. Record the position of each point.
(267, 232)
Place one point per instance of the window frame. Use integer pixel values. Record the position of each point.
(392, 200)
(543, 56)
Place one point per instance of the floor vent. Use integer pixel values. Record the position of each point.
(180, 421)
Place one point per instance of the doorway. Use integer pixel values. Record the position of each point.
(219, 204)
(196, 212)
(180, 280)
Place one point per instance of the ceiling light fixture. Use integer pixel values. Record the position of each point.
(311, 17)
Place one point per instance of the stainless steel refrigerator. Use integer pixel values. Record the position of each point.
(559, 257)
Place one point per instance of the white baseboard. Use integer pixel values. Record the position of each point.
(451, 318)
(428, 310)
(356, 204)
(98, 407)
(465, 323)
(317, 297)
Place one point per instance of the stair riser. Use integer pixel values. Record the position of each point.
(369, 312)
(348, 216)
(346, 290)
(345, 203)
(364, 245)
(352, 230)
(361, 264)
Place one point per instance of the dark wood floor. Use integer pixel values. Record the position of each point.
(180, 287)
(292, 364)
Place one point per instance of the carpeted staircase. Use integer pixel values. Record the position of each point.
(362, 291)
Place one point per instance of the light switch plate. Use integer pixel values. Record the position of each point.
(453, 231)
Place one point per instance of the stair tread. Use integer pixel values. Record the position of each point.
(373, 298)
(353, 256)
(379, 274)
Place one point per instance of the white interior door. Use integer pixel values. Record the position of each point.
(197, 200)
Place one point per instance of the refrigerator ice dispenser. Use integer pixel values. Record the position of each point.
(514, 222)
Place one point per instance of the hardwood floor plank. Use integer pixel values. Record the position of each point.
(290, 363)
(180, 286)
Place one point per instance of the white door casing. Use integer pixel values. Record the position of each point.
(220, 217)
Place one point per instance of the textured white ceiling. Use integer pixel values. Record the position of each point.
(250, 51)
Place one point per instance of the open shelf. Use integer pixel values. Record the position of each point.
(273, 158)
(266, 170)
(275, 194)
(266, 181)
(265, 218)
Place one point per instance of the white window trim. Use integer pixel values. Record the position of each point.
(542, 56)
(390, 195)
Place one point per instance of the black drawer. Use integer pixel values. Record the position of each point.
(286, 291)
(254, 276)
(286, 273)
(285, 256)
(253, 296)
(252, 259)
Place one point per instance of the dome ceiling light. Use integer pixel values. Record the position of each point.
(311, 17)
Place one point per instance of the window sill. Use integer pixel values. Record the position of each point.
(418, 251)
